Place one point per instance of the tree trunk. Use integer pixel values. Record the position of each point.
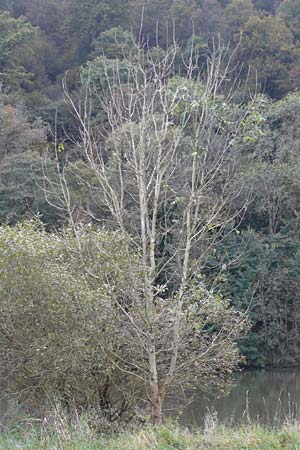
(157, 400)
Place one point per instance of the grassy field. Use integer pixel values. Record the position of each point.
(149, 438)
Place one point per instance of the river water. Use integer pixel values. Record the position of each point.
(265, 397)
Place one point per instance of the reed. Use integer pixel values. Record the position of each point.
(62, 433)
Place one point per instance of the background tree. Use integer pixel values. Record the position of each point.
(237, 12)
(263, 275)
(267, 50)
(83, 22)
(290, 12)
(209, 21)
(14, 32)
(22, 150)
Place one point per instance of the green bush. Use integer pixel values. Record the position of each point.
(59, 330)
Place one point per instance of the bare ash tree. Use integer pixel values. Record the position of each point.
(164, 167)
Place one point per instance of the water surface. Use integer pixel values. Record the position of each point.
(267, 397)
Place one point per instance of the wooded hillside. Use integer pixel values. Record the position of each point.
(57, 56)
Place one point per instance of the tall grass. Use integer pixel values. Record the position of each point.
(60, 432)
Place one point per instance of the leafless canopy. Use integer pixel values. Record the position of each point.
(163, 164)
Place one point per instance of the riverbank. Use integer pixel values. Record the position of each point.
(55, 437)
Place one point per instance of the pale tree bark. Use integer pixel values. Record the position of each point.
(168, 141)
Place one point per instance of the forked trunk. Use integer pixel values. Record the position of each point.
(157, 399)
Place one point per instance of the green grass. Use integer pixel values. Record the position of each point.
(151, 438)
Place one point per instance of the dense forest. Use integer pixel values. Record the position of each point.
(59, 60)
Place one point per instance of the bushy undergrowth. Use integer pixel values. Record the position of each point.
(58, 323)
(75, 327)
(61, 435)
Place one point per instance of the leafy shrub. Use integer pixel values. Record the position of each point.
(58, 323)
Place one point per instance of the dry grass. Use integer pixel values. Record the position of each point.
(62, 434)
